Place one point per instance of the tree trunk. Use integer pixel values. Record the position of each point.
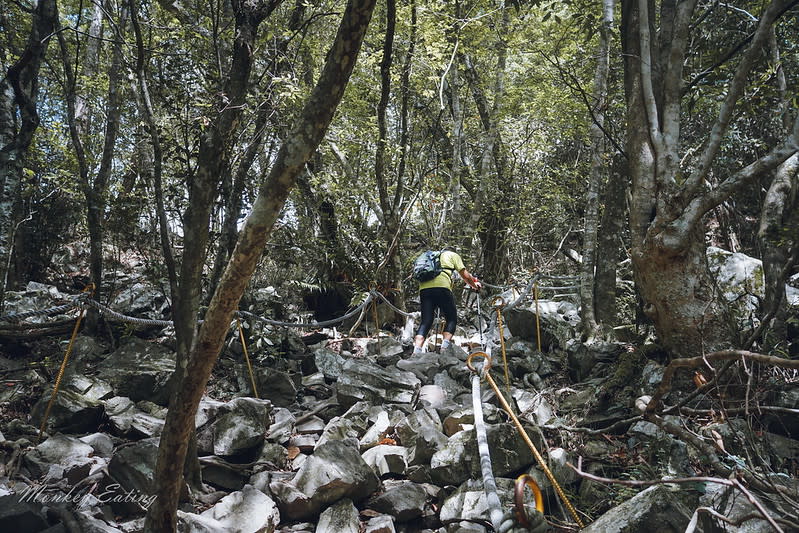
(667, 208)
(778, 232)
(19, 90)
(291, 159)
(588, 275)
(609, 242)
(146, 109)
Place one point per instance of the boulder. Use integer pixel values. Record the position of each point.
(468, 502)
(335, 471)
(246, 511)
(386, 459)
(656, 505)
(133, 466)
(128, 421)
(459, 460)
(140, 370)
(341, 517)
(361, 380)
(20, 516)
(525, 322)
(240, 426)
(70, 412)
(404, 500)
(141, 300)
(71, 457)
(278, 387)
(380, 524)
(329, 362)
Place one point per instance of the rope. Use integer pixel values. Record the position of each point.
(247, 357)
(489, 483)
(484, 372)
(113, 315)
(61, 370)
(322, 324)
(393, 307)
(16, 317)
(498, 307)
(537, 317)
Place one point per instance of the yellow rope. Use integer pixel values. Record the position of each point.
(247, 358)
(498, 306)
(537, 315)
(523, 434)
(89, 288)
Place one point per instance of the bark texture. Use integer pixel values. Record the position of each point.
(291, 159)
(667, 208)
(19, 91)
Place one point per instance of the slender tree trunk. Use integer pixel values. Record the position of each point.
(590, 324)
(19, 91)
(778, 232)
(97, 191)
(493, 193)
(388, 207)
(146, 109)
(291, 159)
(609, 241)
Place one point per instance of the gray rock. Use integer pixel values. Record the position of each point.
(72, 455)
(656, 505)
(555, 330)
(101, 443)
(336, 470)
(403, 500)
(386, 459)
(246, 511)
(421, 433)
(469, 501)
(128, 421)
(70, 413)
(240, 426)
(141, 300)
(459, 459)
(140, 370)
(329, 362)
(20, 516)
(88, 387)
(341, 517)
(340, 428)
(133, 466)
(423, 365)
(364, 381)
(533, 407)
(282, 427)
(380, 524)
(276, 386)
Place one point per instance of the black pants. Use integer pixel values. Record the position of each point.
(437, 297)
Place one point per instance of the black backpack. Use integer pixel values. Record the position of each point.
(427, 266)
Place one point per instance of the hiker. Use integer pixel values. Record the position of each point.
(437, 292)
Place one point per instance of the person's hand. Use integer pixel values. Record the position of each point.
(476, 285)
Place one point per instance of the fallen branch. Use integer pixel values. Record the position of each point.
(695, 362)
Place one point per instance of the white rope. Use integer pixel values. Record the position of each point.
(495, 513)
